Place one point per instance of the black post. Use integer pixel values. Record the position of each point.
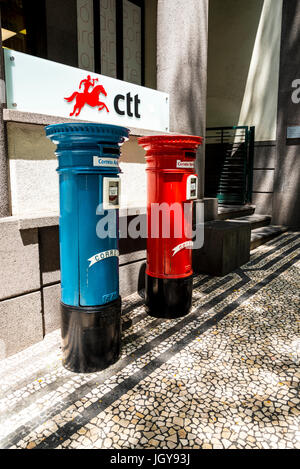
(251, 163)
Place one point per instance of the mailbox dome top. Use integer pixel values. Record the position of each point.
(98, 133)
(178, 141)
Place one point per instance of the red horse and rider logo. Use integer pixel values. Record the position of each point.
(91, 98)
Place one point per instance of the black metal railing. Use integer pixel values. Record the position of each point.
(229, 164)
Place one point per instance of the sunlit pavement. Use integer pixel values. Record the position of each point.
(225, 376)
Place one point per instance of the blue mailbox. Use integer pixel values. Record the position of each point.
(89, 185)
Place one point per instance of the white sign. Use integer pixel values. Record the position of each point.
(108, 162)
(44, 87)
(293, 132)
(103, 255)
(185, 164)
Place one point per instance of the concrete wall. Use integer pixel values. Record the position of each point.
(20, 294)
(243, 77)
(263, 176)
(243, 64)
(33, 177)
(182, 67)
(287, 174)
(4, 184)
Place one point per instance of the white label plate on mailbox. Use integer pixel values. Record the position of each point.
(104, 162)
(185, 164)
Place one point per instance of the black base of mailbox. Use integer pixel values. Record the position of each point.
(168, 298)
(91, 336)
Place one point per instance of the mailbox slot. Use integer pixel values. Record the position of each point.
(110, 151)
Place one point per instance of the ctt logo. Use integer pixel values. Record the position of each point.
(87, 97)
(90, 95)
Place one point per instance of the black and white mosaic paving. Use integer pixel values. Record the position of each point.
(225, 376)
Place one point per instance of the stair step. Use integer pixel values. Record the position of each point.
(230, 175)
(261, 236)
(235, 211)
(256, 221)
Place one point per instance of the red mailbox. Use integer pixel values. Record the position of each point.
(172, 185)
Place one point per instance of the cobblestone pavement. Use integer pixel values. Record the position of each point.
(225, 376)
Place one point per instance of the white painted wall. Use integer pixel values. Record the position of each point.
(32, 168)
(259, 106)
(34, 180)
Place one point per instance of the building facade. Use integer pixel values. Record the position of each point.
(252, 66)
(222, 62)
